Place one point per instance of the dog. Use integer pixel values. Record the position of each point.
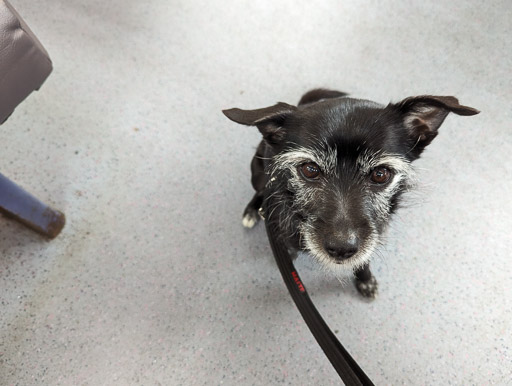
(336, 168)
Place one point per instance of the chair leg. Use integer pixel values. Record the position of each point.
(25, 208)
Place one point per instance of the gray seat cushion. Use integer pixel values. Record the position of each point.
(24, 63)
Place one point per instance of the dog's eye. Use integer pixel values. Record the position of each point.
(310, 170)
(380, 175)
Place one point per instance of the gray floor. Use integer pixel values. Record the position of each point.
(154, 280)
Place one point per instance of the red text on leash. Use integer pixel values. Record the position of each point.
(298, 282)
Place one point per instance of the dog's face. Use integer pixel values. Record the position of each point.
(339, 166)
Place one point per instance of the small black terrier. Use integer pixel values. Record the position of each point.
(336, 168)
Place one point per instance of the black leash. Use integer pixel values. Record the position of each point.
(349, 371)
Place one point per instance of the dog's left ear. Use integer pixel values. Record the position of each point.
(268, 120)
(423, 115)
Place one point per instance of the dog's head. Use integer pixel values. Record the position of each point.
(339, 166)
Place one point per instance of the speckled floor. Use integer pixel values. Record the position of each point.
(154, 280)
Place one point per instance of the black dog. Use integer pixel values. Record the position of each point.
(336, 168)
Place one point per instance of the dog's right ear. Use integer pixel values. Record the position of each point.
(268, 120)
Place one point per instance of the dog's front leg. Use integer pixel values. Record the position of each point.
(259, 180)
(365, 282)
(251, 213)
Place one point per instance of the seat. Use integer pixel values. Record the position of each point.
(24, 66)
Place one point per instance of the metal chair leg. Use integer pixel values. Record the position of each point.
(17, 203)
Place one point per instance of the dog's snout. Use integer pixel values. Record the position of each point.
(341, 249)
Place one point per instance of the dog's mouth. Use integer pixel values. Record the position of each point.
(342, 262)
(345, 255)
(350, 260)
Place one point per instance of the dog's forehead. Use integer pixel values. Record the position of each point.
(346, 124)
(333, 112)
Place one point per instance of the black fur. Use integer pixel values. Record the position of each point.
(322, 163)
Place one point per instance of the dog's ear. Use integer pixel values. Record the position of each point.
(268, 120)
(423, 115)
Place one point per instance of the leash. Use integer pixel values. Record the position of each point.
(348, 369)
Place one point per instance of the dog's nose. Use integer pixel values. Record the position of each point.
(342, 249)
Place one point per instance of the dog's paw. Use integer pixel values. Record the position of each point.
(250, 219)
(369, 288)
